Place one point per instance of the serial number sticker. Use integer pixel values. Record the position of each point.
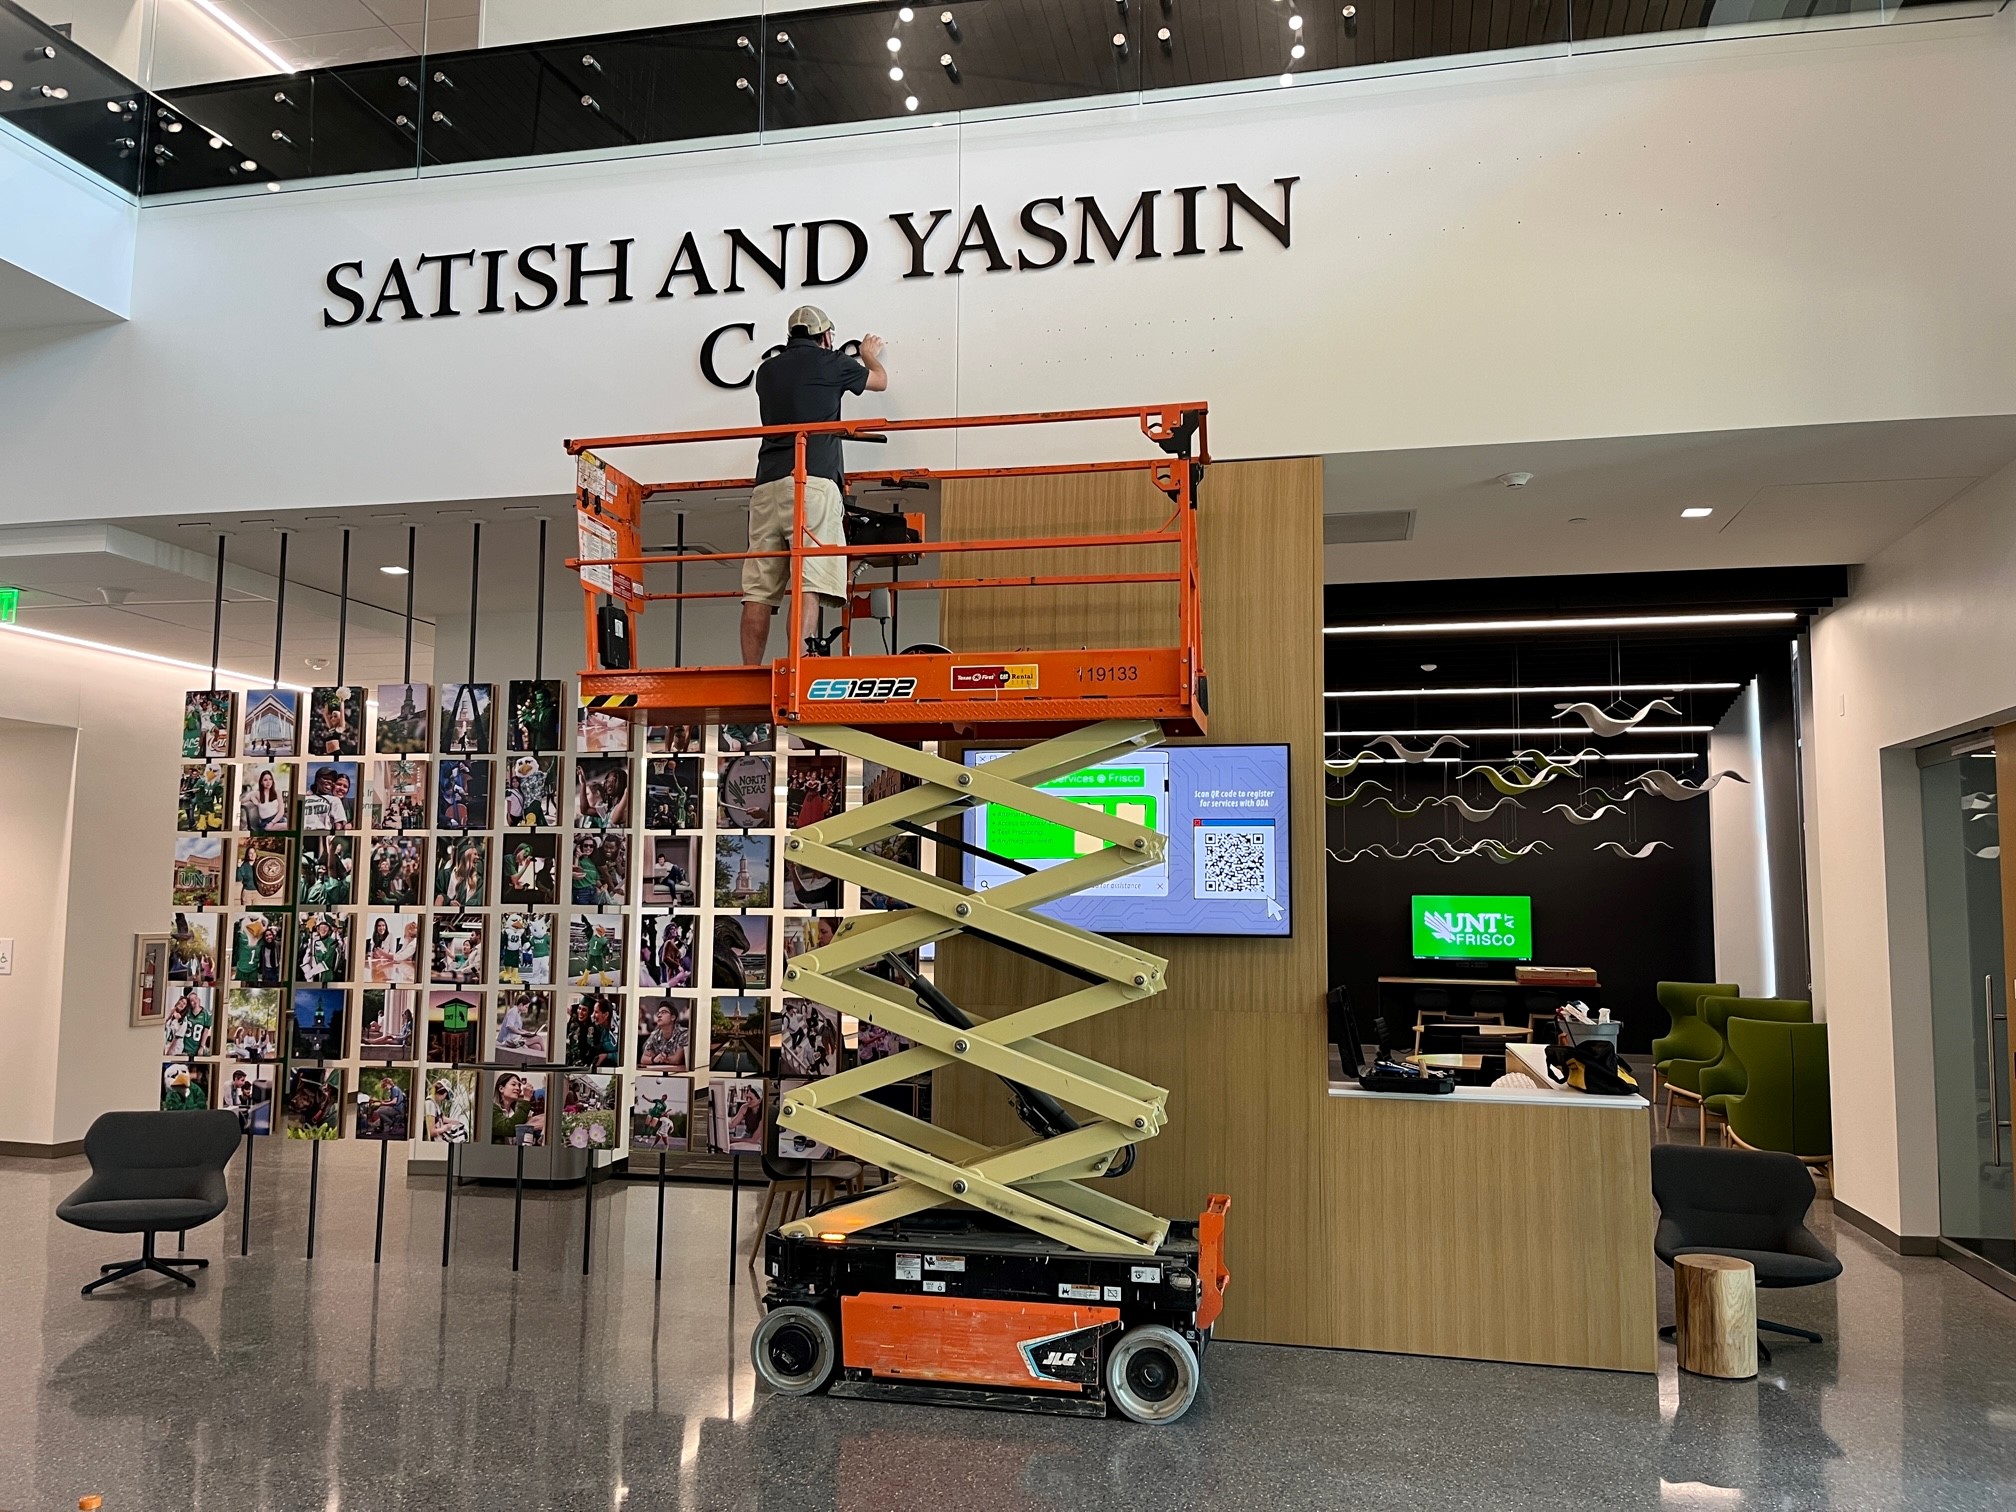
(909, 1267)
(1150, 1274)
(861, 689)
(1112, 1294)
(1071, 1293)
(1127, 672)
(934, 1286)
(945, 1262)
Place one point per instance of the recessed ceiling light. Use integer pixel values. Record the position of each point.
(1698, 512)
(395, 570)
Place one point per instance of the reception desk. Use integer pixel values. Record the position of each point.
(1493, 1224)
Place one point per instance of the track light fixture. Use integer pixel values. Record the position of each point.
(1351, 21)
(744, 45)
(1168, 47)
(785, 45)
(906, 14)
(281, 136)
(951, 69)
(41, 54)
(945, 19)
(744, 86)
(588, 60)
(6, 86)
(784, 83)
(588, 103)
(896, 75)
(909, 102)
(281, 97)
(52, 91)
(440, 118)
(1120, 48)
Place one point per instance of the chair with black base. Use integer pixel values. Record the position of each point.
(153, 1173)
(1746, 1204)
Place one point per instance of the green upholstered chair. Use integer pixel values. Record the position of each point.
(1727, 1077)
(1787, 1106)
(1688, 1041)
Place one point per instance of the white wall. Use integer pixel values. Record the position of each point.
(1925, 646)
(36, 764)
(1737, 234)
(123, 719)
(66, 243)
(1738, 853)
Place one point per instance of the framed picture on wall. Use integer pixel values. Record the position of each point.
(149, 1004)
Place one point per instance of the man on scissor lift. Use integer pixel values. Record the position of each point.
(803, 383)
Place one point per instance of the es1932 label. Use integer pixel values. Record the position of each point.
(861, 689)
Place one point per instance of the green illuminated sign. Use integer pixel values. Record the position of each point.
(10, 605)
(1473, 928)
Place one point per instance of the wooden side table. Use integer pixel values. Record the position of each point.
(1715, 1316)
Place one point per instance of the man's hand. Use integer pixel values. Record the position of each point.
(871, 358)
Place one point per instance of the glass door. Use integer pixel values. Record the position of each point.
(1970, 999)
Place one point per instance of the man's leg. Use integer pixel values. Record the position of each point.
(755, 632)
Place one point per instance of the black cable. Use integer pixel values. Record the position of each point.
(412, 539)
(280, 610)
(475, 572)
(343, 611)
(217, 615)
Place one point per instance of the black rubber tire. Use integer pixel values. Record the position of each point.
(795, 1350)
(1152, 1374)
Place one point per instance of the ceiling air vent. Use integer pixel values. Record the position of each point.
(1367, 526)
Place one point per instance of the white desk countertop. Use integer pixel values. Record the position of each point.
(1547, 1097)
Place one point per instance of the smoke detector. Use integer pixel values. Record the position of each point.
(1515, 479)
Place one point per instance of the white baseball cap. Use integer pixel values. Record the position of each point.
(810, 319)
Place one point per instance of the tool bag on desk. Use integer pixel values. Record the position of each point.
(1592, 1066)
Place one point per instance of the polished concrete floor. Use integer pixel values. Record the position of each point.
(314, 1386)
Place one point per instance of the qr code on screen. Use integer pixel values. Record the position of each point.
(1235, 862)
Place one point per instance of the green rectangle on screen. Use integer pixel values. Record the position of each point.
(1472, 927)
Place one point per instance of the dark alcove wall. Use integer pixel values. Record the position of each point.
(1636, 922)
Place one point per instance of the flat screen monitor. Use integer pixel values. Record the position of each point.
(1224, 810)
(1472, 927)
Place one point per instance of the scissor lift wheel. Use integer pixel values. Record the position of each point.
(794, 1350)
(1152, 1374)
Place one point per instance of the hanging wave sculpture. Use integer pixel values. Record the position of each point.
(1605, 724)
(1408, 754)
(1568, 812)
(1678, 789)
(1634, 855)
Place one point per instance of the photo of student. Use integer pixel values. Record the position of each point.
(517, 1109)
(207, 725)
(667, 1043)
(594, 1031)
(392, 949)
(266, 799)
(464, 789)
(531, 869)
(461, 871)
(314, 1103)
(192, 949)
(330, 800)
(670, 878)
(328, 873)
(601, 876)
(814, 789)
(399, 795)
(808, 1040)
(265, 863)
(588, 1115)
(188, 1026)
(524, 1027)
(384, 1104)
(735, 1115)
(248, 1092)
(660, 1113)
(449, 1111)
(396, 866)
(252, 1023)
(602, 732)
(336, 721)
(534, 711)
(665, 949)
(602, 792)
(672, 794)
(385, 1024)
(258, 948)
(324, 955)
(459, 940)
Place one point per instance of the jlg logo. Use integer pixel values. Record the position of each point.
(1057, 1357)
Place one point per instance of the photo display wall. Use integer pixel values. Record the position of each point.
(415, 904)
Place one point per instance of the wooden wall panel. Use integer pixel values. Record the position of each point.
(1354, 1224)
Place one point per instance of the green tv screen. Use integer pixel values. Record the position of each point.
(1473, 927)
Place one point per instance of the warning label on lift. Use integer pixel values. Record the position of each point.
(1017, 677)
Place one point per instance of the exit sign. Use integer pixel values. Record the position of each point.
(10, 605)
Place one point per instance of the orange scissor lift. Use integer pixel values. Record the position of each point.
(983, 1275)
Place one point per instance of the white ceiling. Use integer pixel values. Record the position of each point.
(321, 33)
(1797, 496)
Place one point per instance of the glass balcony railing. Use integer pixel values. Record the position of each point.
(179, 97)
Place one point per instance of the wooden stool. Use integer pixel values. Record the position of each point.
(1715, 1316)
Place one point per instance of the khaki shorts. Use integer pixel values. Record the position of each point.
(767, 581)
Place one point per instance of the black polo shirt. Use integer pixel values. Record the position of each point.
(801, 384)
